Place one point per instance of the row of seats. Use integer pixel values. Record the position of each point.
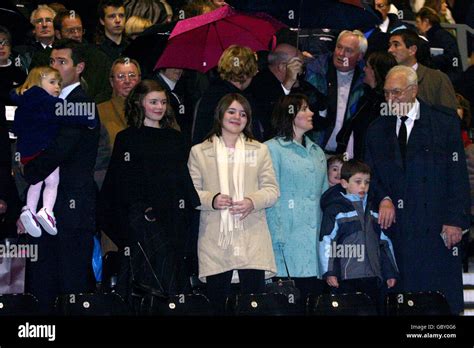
(107, 304)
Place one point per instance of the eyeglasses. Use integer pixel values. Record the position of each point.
(122, 77)
(397, 92)
(41, 20)
(74, 30)
(4, 43)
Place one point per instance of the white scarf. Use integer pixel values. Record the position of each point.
(230, 222)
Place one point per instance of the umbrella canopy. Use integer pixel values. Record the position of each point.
(15, 22)
(332, 14)
(197, 43)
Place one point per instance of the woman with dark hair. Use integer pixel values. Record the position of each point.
(301, 171)
(234, 178)
(371, 104)
(448, 59)
(147, 195)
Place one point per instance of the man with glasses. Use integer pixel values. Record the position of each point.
(68, 25)
(419, 179)
(434, 86)
(42, 19)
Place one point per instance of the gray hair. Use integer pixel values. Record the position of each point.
(407, 71)
(275, 58)
(41, 7)
(360, 36)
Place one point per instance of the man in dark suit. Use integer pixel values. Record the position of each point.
(64, 265)
(283, 76)
(419, 180)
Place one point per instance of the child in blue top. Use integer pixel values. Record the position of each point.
(355, 254)
(37, 120)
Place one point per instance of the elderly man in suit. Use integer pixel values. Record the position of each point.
(419, 180)
(65, 262)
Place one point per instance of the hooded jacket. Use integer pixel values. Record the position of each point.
(352, 245)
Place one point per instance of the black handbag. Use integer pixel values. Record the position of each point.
(284, 286)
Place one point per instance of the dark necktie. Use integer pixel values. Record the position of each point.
(402, 138)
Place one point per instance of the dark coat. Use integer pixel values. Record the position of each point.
(368, 109)
(8, 191)
(267, 90)
(431, 192)
(148, 169)
(206, 107)
(66, 258)
(450, 61)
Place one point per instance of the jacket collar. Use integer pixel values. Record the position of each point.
(208, 146)
(288, 143)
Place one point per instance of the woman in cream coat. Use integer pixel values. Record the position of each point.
(234, 177)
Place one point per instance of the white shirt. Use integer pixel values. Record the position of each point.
(66, 90)
(9, 62)
(415, 67)
(44, 46)
(384, 26)
(344, 80)
(171, 84)
(413, 114)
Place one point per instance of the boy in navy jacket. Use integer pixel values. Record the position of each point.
(355, 254)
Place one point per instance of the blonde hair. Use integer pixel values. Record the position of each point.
(135, 25)
(35, 76)
(41, 7)
(237, 63)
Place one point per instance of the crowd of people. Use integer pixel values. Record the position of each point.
(346, 170)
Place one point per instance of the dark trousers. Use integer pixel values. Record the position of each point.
(219, 286)
(64, 266)
(307, 286)
(372, 286)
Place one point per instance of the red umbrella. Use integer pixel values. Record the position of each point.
(197, 43)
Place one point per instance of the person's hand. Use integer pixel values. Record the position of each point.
(294, 67)
(453, 235)
(332, 281)
(222, 201)
(391, 282)
(20, 229)
(386, 214)
(3, 206)
(244, 207)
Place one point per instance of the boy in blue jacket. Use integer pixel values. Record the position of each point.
(355, 254)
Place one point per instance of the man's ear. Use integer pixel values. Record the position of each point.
(344, 183)
(57, 33)
(80, 67)
(412, 50)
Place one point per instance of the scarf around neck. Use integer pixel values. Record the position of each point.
(229, 222)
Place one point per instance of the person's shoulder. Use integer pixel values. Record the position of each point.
(79, 95)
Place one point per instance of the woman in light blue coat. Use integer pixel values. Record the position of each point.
(301, 172)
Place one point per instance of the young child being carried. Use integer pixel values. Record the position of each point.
(36, 124)
(355, 254)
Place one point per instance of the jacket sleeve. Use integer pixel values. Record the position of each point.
(196, 172)
(446, 93)
(327, 236)
(268, 191)
(62, 147)
(458, 199)
(387, 258)
(377, 189)
(274, 213)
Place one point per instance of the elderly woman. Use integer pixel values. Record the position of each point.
(234, 178)
(237, 67)
(10, 74)
(300, 168)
